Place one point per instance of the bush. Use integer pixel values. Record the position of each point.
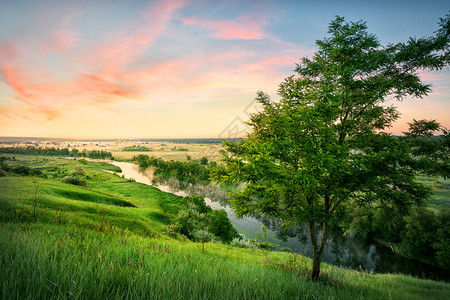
(220, 225)
(204, 161)
(359, 223)
(427, 234)
(192, 171)
(243, 242)
(419, 233)
(205, 236)
(197, 203)
(74, 180)
(78, 171)
(263, 239)
(21, 170)
(442, 245)
(200, 223)
(171, 229)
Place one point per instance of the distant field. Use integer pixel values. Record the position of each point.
(441, 195)
(194, 151)
(165, 149)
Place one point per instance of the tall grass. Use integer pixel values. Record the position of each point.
(64, 262)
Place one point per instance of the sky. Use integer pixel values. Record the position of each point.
(178, 68)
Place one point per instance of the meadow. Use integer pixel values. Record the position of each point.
(106, 240)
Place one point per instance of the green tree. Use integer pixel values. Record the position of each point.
(220, 225)
(204, 161)
(323, 145)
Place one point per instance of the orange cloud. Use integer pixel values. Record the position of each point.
(103, 91)
(245, 28)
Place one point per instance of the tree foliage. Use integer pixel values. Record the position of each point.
(57, 152)
(192, 171)
(199, 222)
(324, 143)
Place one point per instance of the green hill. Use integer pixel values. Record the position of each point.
(59, 240)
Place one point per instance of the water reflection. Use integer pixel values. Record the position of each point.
(343, 251)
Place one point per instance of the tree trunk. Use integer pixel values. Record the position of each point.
(318, 251)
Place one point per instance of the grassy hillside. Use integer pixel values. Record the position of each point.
(105, 241)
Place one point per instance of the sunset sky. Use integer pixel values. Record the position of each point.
(177, 69)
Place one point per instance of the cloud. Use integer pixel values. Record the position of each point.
(38, 85)
(8, 51)
(243, 28)
(102, 90)
(62, 41)
(122, 47)
(135, 69)
(15, 79)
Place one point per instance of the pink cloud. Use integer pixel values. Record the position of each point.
(104, 91)
(8, 51)
(121, 48)
(245, 28)
(15, 79)
(432, 76)
(108, 74)
(62, 41)
(109, 81)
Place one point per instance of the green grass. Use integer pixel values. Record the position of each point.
(50, 261)
(83, 243)
(441, 191)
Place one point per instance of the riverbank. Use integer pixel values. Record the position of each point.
(79, 243)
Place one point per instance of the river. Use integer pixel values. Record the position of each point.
(342, 251)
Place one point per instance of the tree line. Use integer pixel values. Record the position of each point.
(192, 171)
(95, 154)
(5, 169)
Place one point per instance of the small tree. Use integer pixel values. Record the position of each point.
(324, 143)
(204, 161)
(263, 238)
(79, 171)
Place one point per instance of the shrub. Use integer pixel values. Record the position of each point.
(200, 223)
(221, 226)
(204, 161)
(171, 229)
(263, 239)
(78, 171)
(243, 242)
(197, 203)
(74, 180)
(201, 235)
(426, 234)
(286, 249)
